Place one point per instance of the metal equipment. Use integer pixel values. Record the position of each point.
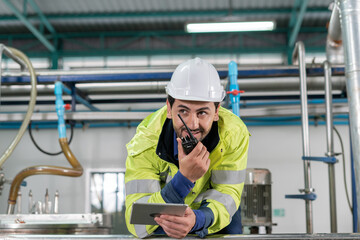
(55, 224)
(256, 210)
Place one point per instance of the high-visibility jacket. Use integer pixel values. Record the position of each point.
(219, 189)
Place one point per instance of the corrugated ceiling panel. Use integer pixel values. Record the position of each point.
(143, 23)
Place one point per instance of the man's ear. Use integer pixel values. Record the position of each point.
(168, 110)
(216, 117)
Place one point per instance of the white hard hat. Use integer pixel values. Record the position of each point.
(196, 80)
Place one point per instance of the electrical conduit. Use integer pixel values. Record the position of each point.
(75, 171)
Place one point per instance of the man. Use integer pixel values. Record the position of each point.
(210, 178)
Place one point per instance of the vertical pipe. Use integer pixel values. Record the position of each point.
(353, 189)
(73, 97)
(31, 202)
(330, 145)
(19, 202)
(299, 54)
(1, 50)
(56, 202)
(235, 98)
(350, 23)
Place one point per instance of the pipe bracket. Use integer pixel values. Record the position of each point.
(321, 159)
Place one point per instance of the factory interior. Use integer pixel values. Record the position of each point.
(101, 67)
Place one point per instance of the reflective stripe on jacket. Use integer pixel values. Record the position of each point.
(221, 187)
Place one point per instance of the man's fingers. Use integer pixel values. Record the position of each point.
(208, 162)
(188, 211)
(172, 226)
(180, 148)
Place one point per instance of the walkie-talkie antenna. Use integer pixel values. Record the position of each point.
(187, 129)
(188, 142)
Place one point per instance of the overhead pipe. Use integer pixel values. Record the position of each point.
(269, 84)
(75, 171)
(350, 24)
(330, 145)
(23, 61)
(299, 57)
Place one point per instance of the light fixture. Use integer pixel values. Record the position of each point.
(230, 26)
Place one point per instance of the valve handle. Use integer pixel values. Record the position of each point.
(235, 92)
(67, 106)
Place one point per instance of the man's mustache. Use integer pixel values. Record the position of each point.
(192, 130)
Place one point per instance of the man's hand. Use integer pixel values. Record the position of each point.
(194, 165)
(175, 226)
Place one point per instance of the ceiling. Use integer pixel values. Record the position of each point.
(55, 29)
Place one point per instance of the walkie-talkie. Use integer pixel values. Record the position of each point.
(188, 142)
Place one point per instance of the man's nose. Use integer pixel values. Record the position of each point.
(193, 122)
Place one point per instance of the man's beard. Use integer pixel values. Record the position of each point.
(198, 130)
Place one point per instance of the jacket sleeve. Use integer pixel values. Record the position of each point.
(142, 184)
(227, 183)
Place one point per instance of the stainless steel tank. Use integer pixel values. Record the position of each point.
(256, 210)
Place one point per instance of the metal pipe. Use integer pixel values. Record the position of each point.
(334, 45)
(31, 202)
(20, 58)
(75, 171)
(46, 202)
(299, 56)
(56, 202)
(350, 24)
(19, 200)
(163, 73)
(334, 30)
(330, 145)
(248, 85)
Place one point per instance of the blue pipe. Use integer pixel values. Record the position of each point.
(234, 98)
(60, 110)
(353, 188)
(294, 102)
(134, 124)
(295, 123)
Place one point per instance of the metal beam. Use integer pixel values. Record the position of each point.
(148, 33)
(172, 14)
(43, 19)
(125, 38)
(32, 29)
(156, 52)
(295, 30)
(294, 13)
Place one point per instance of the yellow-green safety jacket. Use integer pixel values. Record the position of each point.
(221, 187)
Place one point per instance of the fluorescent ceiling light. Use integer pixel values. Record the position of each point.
(204, 27)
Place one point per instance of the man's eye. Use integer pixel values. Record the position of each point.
(183, 111)
(202, 113)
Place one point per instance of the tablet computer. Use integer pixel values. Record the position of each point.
(144, 213)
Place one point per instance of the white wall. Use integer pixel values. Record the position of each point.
(277, 148)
